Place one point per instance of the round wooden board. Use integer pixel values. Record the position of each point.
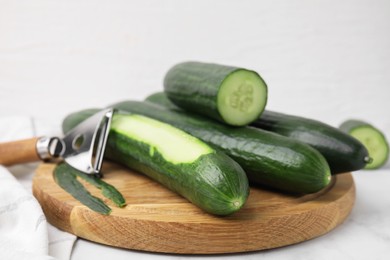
(157, 220)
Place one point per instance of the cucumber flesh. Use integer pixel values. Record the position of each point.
(160, 137)
(241, 98)
(373, 139)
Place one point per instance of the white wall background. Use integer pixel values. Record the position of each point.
(321, 58)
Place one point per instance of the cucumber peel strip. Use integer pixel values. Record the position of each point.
(66, 177)
(108, 191)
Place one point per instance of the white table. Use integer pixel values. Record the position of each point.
(364, 235)
(321, 59)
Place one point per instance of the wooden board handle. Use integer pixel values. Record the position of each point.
(15, 152)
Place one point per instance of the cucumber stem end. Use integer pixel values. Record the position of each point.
(368, 159)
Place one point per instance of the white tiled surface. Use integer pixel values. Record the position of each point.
(328, 60)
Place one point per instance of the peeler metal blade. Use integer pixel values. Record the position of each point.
(83, 147)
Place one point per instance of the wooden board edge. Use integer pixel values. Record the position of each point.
(203, 238)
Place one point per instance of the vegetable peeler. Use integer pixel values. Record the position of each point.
(82, 148)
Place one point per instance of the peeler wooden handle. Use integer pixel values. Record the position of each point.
(30, 150)
(82, 148)
(21, 151)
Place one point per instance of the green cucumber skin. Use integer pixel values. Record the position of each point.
(342, 152)
(348, 125)
(212, 182)
(202, 182)
(351, 124)
(108, 191)
(267, 158)
(195, 85)
(78, 117)
(179, 86)
(66, 177)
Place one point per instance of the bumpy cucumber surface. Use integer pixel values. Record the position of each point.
(206, 177)
(372, 138)
(342, 152)
(232, 95)
(267, 158)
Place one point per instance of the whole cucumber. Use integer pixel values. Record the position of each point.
(342, 152)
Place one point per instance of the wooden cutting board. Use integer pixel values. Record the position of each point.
(158, 220)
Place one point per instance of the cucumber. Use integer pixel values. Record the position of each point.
(184, 164)
(342, 152)
(372, 138)
(232, 95)
(268, 159)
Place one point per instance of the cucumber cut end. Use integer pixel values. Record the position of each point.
(242, 97)
(376, 144)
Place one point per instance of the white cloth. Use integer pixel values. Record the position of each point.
(24, 231)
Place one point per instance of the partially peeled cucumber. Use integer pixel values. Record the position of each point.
(181, 162)
(372, 138)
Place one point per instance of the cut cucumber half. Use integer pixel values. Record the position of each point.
(231, 95)
(241, 98)
(372, 138)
